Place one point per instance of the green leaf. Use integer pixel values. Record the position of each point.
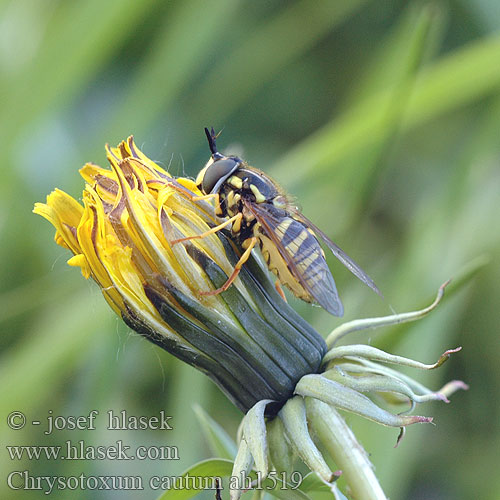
(453, 81)
(80, 39)
(312, 483)
(213, 468)
(283, 491)
(251, 64)
(220, 443)
(171, 62)
(210, 468)
(29, 370)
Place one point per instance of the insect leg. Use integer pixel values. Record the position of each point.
(191, 196)
(215, 196)
(280, 290)
(236, 270)
(210, 231)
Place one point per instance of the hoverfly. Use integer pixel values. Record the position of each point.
(261, 214)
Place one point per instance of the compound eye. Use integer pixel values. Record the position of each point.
(217, 173)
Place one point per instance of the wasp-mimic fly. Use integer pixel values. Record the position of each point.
(260, 213)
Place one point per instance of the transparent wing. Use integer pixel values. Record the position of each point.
(339, 253)
(301, 253)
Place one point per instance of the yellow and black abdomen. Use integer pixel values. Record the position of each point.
(292, 252)
(290, 248)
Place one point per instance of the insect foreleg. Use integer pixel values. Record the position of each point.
(188, 194)
(191, 196)
(213, 230)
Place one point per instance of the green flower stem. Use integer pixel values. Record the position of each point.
(348, 454)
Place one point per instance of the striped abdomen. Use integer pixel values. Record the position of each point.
(294, 255)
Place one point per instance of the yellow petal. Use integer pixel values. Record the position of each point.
(67, 208)
(80, 261)
(135, 152)
(64, 213)
(189, 184)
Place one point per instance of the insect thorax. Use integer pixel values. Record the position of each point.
(231, 203)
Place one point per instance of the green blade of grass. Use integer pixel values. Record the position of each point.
(185, 40)
(253, 63)
(453, 81)
(220, 443)
(81, 37)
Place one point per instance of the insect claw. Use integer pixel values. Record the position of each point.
(280, 290)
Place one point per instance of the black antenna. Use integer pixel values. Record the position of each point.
(212, 137)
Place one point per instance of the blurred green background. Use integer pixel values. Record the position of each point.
(381, 117)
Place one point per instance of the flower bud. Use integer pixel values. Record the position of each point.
(246, 339)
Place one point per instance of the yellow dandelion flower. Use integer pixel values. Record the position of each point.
(121, 238)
